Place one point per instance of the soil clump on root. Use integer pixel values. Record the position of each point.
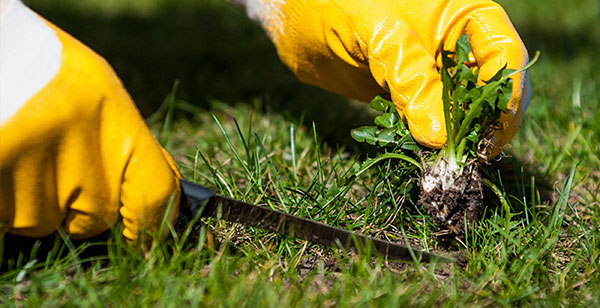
(452, 195)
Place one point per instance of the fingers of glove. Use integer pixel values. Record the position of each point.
(496, 44)
(140, 178)
(50, 156)
(23, 184)
(137, 173)
(319, 44)
(150, 190)
(357, 49)
(87, 216)
(402, 65)
(494, 41)
(64, 155)
(425, 115)
(510, 123)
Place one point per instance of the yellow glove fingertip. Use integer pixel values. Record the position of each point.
(429, 135)
(425, 114)
(512, 119)
(150, 190)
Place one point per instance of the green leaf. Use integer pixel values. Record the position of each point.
(491, 102)
(405, 135)
(386, 136)
(475, 110)
(381, 104)
(474, 93)
(463, 48)
(372, 161)
(447, 62)
(400, 125)
(473, 136)
(504, 98)
(507, 72)
(447, 86)
(387, 120)
(411, 146)
(492, 97)
(364, 134)
(465, 75)
(460, 94)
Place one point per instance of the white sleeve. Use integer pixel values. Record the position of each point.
(30, 56)
(266, 12)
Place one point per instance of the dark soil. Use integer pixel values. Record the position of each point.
(455, 206)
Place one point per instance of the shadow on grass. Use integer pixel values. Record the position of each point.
(17, 250)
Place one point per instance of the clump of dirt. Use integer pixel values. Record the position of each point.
(452, 195)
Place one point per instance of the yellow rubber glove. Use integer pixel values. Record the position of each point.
(77, 153)
(364, 48)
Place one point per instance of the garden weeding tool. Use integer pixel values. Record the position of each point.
(202, 201)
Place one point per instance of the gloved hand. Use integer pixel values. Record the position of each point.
(364, 48)
(75, 151)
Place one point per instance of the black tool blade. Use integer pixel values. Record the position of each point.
(199, 198)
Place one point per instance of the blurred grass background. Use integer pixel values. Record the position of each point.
(217, 53)
(210, 46)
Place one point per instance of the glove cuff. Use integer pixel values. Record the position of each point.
(278, 18)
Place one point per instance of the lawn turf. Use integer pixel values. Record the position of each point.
(241, 124)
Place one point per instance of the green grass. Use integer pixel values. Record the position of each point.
(255, 140)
